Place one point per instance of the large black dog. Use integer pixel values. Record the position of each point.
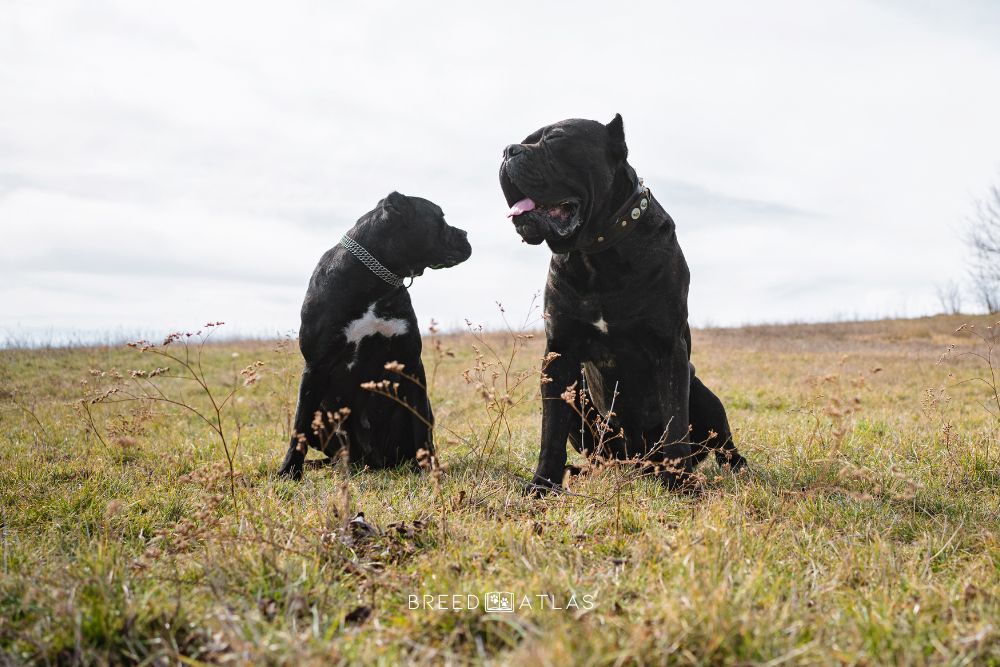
(615, 303)
(356, 318)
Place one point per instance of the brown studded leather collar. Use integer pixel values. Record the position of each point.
(622, 222)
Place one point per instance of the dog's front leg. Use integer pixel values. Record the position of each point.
(418, 422)
(424, 424)
(557, 419)
(310, 397)
(674, 448)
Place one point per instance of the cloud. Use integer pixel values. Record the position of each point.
(157, 162)
(723, 209)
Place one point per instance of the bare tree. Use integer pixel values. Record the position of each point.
(950, 297)
(983, 238)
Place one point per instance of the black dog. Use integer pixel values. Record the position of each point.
(356, 318)
(616, 303)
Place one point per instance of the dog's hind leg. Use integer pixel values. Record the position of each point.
(710, 430)
(311, 390)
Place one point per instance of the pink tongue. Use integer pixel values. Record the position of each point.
(523, 206)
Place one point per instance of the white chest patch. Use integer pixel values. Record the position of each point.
(370, 324)
(601, 325)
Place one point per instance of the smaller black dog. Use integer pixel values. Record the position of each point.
(356, 318)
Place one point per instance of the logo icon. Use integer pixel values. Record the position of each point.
(499, 601)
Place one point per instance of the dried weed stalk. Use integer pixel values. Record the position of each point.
(985, 351)
(499, 384)
(183, 353)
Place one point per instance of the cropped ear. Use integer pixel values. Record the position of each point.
(616, 137)
(395, 203)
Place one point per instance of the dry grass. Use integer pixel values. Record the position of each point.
(866, 534)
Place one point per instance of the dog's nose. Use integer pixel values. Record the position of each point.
(512, 150)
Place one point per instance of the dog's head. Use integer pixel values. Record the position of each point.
(562, 178)
(413, 233)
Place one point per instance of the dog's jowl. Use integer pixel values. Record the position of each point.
(616, 304)
(357, 319)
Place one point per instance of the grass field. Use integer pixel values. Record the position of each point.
(866, 533)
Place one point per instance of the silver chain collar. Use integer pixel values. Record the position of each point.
(368, 260)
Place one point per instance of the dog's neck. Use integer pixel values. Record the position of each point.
(365, 276)
(629, 203)
(624, 186)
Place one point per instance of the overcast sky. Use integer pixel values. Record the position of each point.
(166, 164)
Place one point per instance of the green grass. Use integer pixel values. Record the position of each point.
(867, 532)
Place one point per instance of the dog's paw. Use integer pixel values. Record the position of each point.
(320, 463)
(540, 486)
(733, 460)
(291, 470)
(692, 485)
(685, 482)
